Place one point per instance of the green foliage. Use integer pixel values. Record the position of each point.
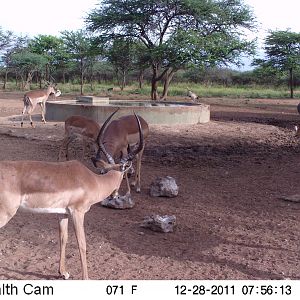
(283, 49)
(176, 33)
(28, 62)
(282, 54)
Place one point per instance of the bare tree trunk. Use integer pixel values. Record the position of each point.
(123, 80)
(168, 78)
(28, 81)
(292, 82)
(81, 77)
(154, 83)
(5, 79)
(141, 78)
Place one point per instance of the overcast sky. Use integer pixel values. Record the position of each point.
(33, 17)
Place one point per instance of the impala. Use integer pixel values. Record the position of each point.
(79, 127)
(115, 141)
(32, 98)
(66, 188)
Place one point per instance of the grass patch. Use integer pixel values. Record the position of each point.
(176, 89)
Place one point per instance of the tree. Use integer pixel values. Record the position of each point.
(282, 50)
(50, 47)
(27, 63)
(121, 55)
(176, 33)
(80, 48)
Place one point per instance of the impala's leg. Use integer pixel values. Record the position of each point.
(84, 147)
(65, 147)
(29, 111)
(137, 179)
(63, 236)
(43, 109)
(23, 112)
(128, 184)
(7, 207)
(78, 220)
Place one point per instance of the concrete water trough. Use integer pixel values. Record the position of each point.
(98, 109)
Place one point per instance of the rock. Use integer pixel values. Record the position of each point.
(164, 187)
(292, 198)
(118, 202)
(159, 223)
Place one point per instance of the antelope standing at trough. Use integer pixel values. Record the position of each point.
(65, 188)
(32, 98)
(115, 141)
(79, 127)
(192, 95)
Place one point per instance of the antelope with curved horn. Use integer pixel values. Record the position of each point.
(115, 141)
(32, 98)
(66, 188)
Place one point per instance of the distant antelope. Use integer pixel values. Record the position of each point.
(192, 95)
(32, 98)
(79, 127)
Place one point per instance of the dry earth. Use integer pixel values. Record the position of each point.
(231, 222)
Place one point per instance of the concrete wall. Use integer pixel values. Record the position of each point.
(160, 114)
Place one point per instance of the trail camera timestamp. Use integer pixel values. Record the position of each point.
(234, 290)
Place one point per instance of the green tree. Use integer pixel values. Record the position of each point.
(49, 46)
(121, 55)
(27, 63)
(80, 48)
(176, 33)
(17, 44)
(282, 50)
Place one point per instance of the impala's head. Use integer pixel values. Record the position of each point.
(106, 162)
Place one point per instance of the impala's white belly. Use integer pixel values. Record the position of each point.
(42, 210)
(55, 203)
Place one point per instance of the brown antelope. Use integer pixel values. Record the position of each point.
(115, 141)
(79, 127)
(66, 188)
(32, 98)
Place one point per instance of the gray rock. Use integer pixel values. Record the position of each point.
(164, 187)
(159, 223)
(118, 202)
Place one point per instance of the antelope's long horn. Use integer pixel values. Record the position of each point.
(99, 140)
(141, 143)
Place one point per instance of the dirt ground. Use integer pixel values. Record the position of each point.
(231, 220)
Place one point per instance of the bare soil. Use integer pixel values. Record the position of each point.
(231, 220)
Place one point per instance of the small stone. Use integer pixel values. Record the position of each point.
(159, 223)
(164, 187)
(118, 202)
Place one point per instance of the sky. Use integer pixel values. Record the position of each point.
(34, 17)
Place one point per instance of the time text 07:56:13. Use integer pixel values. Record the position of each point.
(234, 290)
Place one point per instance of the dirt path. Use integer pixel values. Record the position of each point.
(232, 223)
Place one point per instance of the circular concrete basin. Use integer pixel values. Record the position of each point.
(153, 112)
